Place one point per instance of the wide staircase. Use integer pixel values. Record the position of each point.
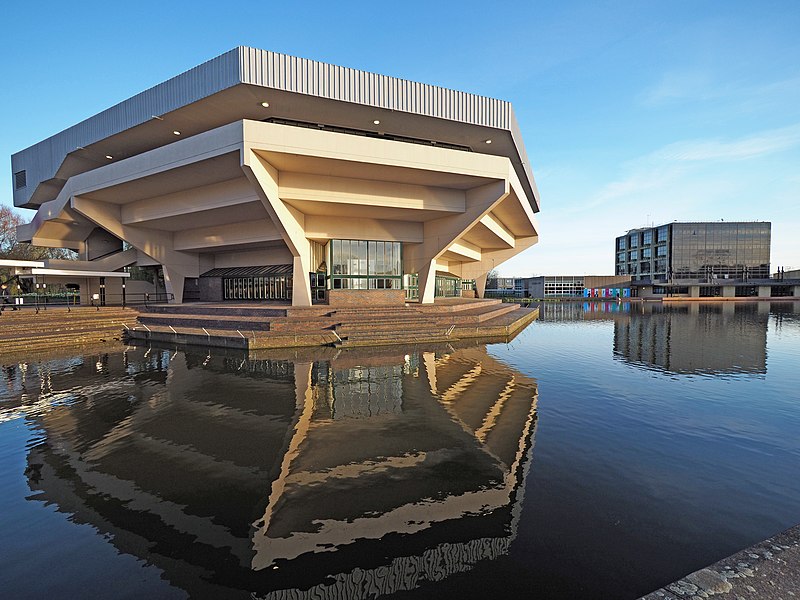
(261, 326)
(29, 330)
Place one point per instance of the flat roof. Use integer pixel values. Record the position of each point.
(248, 83)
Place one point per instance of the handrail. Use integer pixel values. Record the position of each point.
(43, 301)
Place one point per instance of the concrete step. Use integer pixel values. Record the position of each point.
(388, 341)
(216, 309)
(207, 321)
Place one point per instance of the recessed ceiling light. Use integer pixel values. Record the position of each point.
(176, 132)
(265, 104)
(109, 157)
(488, 141)
(377, 122)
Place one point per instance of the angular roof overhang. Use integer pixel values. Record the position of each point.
(233, 86)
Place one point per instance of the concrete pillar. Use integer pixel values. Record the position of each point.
(764, 291)
(427, 283)
(728, 291)
(796, 291)
(173, 281)
(480, 285)
(301, 284)
(694, 291)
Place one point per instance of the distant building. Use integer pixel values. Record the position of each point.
(578, 286)
(726, 259)
(695, 252)
(504, 287)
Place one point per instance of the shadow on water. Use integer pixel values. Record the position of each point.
(342, 474)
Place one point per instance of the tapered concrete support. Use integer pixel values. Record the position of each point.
(728, 291)
(694, 291)
(796, 291)
(174, 281)
(480, 284)
(440, 234)
(154, 243)
(427, 283)
(764, 291)
(289, 221)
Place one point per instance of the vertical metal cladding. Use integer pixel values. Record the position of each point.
(304, 76)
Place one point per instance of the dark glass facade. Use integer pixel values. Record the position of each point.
(701, 252)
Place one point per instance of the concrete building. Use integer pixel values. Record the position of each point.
(260, 176)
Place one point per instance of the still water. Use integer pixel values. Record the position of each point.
(604, 452)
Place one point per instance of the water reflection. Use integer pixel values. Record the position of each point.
(347, 475)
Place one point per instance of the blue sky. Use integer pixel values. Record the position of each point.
(632, 112)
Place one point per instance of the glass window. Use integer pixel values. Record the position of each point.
(648, 237)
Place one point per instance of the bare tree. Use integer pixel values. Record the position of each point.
(10, 247)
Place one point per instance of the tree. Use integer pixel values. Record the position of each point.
(493, 275)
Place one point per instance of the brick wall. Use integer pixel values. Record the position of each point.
(366, 297)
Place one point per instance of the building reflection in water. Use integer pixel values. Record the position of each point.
(353, 476)
(717, 338)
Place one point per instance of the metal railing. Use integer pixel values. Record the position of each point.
(43, 301)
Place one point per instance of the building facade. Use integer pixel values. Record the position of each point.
(577, 286)
(698, 252)
(260, 176)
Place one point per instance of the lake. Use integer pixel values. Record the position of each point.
(604, 452)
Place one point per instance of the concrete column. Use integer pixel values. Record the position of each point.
(694, 291)
(728, 291)
(427, 283)
(764, 291)
(173, 281)
(796, 291)
(480, 285)
(301, 284)
(288, 220)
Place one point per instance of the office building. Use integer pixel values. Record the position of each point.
(719, 259)
(695, 252)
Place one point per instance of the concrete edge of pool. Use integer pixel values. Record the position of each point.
(767, 570)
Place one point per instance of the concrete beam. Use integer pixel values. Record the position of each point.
(465, 250)
(363, 192)
(498, 229)
(219, 195)
(202, 238)
(326, 228)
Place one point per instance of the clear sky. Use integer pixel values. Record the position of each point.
(632, 112)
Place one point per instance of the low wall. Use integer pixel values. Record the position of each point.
(366, 297)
